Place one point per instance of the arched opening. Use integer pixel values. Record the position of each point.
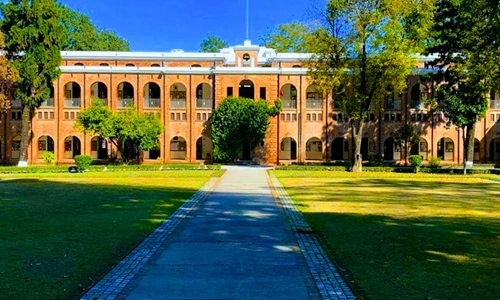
(99, 90)
(72, 94)
(477, 149)
(178, 148)
(129, 65)
(495, 150)
(314, 149)
(246, 59)
(50, 101)
(367, 148)
(204, 96)
(340, 149)
(296, 66)
(178, 96)
(152, 95)
(104, 65)
(246, 89)
(196, 66)
(446, 149)
(72, 147)
(45, 144)
(288, 149)
(152, 153)
(125, 94)
(313, 98)
(420, 149)
(16, 147)
(99, 148)
(418, 94)
(155, 65)
(392, 150)
(288, 95)
(79, 64)
(204, 148)
(494, 99)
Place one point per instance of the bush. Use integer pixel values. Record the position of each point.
(49, 157)
(434, 162)
(416, 162)
(83, 162)
(375, 160)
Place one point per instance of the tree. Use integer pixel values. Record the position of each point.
(212, 44)
(291, 37)
(406, 137)
(8, 79)
(466, 43)
(82, 35)
(364, 47)
(129, 130)
(33, 40)
(237, 121)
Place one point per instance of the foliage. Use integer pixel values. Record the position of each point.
(8, 79)
(33, 40)
(434, 162)
(82, 35)
(83, 162)
(49, 157)
(237, 121)
(364, 50)
(406, 136)
(467, 46)
(131, 131)
(212, 44)
(375, 160)
(416, 161)
(291, 37)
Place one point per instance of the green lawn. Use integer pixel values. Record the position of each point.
(406, 236)
(59, 233)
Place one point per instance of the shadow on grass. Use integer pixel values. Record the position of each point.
(57, 238)
(414, 258)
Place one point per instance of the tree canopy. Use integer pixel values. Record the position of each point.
(467, 47)
(82, 35)
(366, 49)
(212, 44)
(237, 121)
(291, 37)
(129, 130)
(33, 39)
(8, 79)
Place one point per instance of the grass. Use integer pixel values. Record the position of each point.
(406, 236)
(60, 233)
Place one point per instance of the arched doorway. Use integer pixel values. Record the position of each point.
(340, 149)
(16, 147)
(367, 148)
(178, 148)
(72, 147)
(45, 144)
(204, 148)
(495, 150)
(446, 149)
(246, 89)
(420, 149)
(99, 148)
(288, 149)
(314, 149)
(391, 152)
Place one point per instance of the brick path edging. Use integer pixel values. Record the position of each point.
(113, 283)
(329, 282)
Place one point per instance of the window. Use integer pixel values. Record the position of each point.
(155, 65)
(129, 65)
(195, 66)
(229, 91)
(104, 65)
(263, 93)
(79, 64)
(16, 115)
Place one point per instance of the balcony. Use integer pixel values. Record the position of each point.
(178, 103)
(202, 103)
(72, 102)
(48, 103)
(289, 104)
(125, 102)
(152, 102)
(314, 104)
(495, 104)
(16, 103)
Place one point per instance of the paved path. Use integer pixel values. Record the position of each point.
(237, 244)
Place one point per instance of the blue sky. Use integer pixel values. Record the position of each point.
(163, 25)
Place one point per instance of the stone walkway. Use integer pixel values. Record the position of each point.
(237, 244)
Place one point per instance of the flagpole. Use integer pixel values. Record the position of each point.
(247, 18)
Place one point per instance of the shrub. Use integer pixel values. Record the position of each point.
(434, 162)
(49, 157)
(416, 162)
(375, 160)
(83, 162)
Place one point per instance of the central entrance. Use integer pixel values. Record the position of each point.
(246, 151)
(246, 89)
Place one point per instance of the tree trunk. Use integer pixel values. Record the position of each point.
(357, 133)
(25, 137)
(469, 144)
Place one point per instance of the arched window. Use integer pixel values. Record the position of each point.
(72, 147)
(204, 96)
(418, 94)
(178, 96)
(152, 95)
(45, 144)
(79, 64)
(125, 94)
(314, 98)
(72, 94)
(16, 147)
(288, 149)
(155, 65)
(99, 91)
(446, 149)
(99, 148)
(195, 66)
(178, 148)
(204, 148)
(289, 96)
(104, 65)
(129, 65)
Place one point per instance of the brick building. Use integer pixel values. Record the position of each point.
(183, 88)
